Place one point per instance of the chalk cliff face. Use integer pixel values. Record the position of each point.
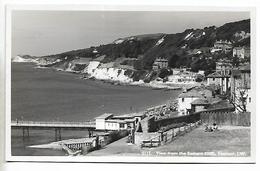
(95, 70)
(19, 58)
(113, 74)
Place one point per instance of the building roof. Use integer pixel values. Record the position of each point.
(222, 63)
(129, 116)
(161, 60)
(126, 116)
(223, 42)
(220, 104)
(138, 114)
(104, 116)
(245, 67)
(202, 101)
(129, 120)
(237, 72)
(116, 121)
(241, 47)
(190, 94)
(217, 75)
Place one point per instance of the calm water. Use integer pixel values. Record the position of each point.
(48, 95)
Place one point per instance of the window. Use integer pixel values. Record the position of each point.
(121, 125)
(213, 79)
(182, 99)
(249, 99)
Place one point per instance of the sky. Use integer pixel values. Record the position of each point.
(41, 33)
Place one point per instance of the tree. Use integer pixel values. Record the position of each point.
(164, 73)
(173, 61)
(242, 99)
(199, 78)
(235, 61)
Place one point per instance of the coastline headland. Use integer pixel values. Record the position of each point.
(107, 72)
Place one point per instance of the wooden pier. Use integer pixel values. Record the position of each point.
(57, 126)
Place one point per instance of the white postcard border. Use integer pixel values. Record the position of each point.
(153, 159)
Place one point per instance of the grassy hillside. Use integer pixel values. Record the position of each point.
(175, 47)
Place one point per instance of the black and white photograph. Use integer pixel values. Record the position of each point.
(137, 84)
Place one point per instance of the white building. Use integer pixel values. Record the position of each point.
(100, 120)
(112, 124)
(199, 105)
(160, 63)
(222, 46)
(185, 100)
(108, 121)
(241, 52)
(224, 67)
(182, 76)
(137, 117)
(220, 80)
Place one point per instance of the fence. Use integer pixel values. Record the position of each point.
(226, 118)
(170, 135)
(219, 117)
(181, 119)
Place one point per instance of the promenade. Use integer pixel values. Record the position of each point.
(228, 140)
(120, 147)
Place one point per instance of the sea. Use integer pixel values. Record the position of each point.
(39, 94)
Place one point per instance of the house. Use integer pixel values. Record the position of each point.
(113, 124)
(219, 79)
(100, 120)
(241, 92)
(182, 76)
(224, 67)
(241, 52)
(160, 63)
(95, 51)
(222, 46)
(205, 92)
(137, 117)
(184, 101)
(108, 121)
(199, 105)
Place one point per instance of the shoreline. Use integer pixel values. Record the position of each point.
(152, 84)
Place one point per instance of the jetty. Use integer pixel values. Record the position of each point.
(56, 125)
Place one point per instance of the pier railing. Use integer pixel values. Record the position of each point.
(52, 124)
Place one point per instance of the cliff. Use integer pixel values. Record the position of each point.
(130, 59)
